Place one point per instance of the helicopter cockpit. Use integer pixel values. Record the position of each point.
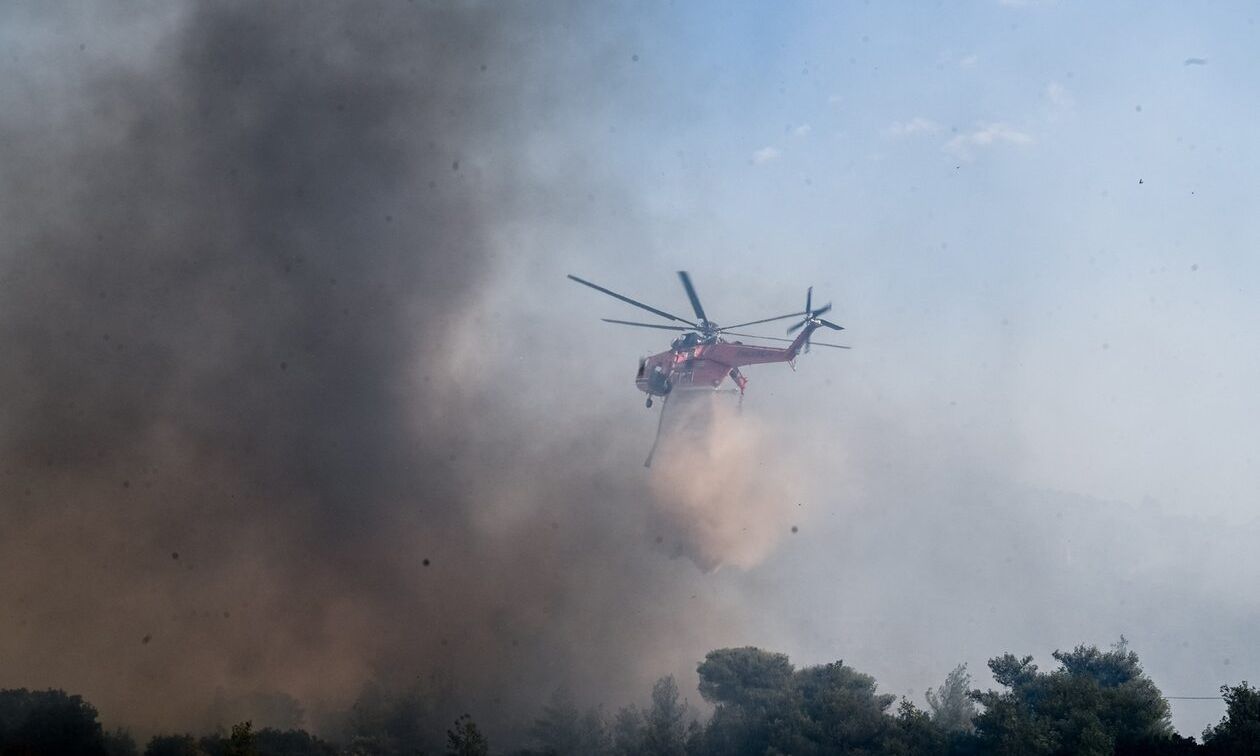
(685, 342)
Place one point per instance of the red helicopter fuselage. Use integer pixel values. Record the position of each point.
(694, 362)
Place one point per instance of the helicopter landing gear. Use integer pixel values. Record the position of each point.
(648, 403)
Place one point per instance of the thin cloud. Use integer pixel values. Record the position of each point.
(915, 126)
(765, 155)
(968, 61)
(1059, 96)
(802, 130)
(985, 135)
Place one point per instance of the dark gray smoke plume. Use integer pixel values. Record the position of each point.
(241, 452)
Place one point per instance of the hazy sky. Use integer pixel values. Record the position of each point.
(1035, 219)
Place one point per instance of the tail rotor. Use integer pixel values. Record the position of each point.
(812, 316)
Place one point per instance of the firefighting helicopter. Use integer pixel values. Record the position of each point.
(700, 358)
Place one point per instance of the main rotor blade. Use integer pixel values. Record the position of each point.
(773, 338)
(763, 320)
(691, 294)
(647, 325)
(628, 300)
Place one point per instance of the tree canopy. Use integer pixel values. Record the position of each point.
(48, 721)
(1094, 702)
(1239, 730)
(1097, 702)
